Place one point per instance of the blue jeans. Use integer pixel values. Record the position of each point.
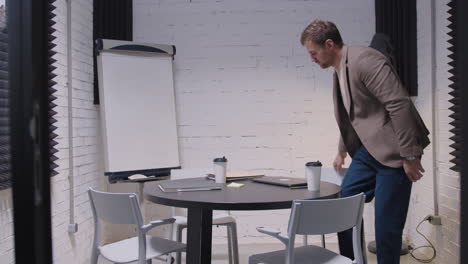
(391, 189)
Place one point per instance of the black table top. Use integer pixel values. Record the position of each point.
(252, 196)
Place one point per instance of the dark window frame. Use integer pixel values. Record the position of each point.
(5, 159)
(460, 37)
(28, 24)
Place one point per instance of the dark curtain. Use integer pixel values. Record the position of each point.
(397, 19)
(112, 19)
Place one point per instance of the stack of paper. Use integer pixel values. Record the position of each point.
(189, 185)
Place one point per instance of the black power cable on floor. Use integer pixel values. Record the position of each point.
(431, 246)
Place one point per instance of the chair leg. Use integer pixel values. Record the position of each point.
(323, 241)
(235, 247)
(364, 250)
(229, 237)
(179, 239)
(169, 258)
(171, 237)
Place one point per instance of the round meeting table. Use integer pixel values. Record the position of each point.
(251, 196)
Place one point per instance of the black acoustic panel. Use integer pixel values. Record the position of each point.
(112, 19)
(455, 86)
(397, 19)
(50, 89)
(5, 174)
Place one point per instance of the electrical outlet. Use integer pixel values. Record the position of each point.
(435, 219)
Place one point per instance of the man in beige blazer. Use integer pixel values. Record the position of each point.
(379, 128)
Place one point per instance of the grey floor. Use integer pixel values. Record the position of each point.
(219, 255)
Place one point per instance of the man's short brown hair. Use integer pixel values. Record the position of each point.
(319, 31)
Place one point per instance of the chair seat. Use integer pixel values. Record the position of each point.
(307, 254)
(125, 251)
(221, 219)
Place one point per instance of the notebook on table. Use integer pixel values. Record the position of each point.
(282, 181)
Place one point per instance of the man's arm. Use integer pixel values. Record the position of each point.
(339, 161)
(340, 156)
(341, 146)
(413, 169)
(381, 80)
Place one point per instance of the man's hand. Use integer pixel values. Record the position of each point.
(339, 161)
(413, 169)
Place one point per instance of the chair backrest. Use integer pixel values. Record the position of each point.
(115, 208)
(331, 175)
(314, 217)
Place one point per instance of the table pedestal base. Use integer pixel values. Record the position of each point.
(199, 233)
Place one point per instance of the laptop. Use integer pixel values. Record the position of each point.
(282, 181)
(194, 184)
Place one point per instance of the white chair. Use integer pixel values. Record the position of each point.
(123, 208)
(317, 217)
(222, 219)
(332, 176)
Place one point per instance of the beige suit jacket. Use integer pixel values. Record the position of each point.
(381, 115)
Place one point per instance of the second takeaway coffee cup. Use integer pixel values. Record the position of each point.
(313, 173)
(220, 169)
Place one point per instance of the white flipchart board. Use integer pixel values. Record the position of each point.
(137, 104)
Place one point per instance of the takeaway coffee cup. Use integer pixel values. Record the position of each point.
(220, 169)
(313, 173)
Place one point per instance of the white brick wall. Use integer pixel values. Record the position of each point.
(75, 248)
(6, 228)
(245, 87)
(446, 237)
(422, 196)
